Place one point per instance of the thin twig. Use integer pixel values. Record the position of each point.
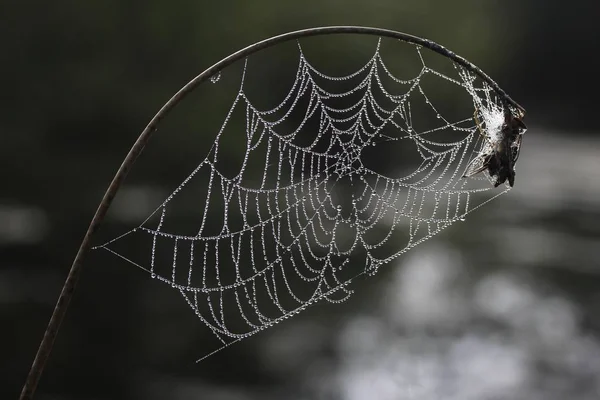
(71, 282)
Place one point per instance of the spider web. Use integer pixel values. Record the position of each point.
(309, 205)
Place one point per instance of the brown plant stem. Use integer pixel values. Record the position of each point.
(71, 281)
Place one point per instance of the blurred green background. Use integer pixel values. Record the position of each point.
(505, 305)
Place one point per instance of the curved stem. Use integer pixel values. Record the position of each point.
(71, 281)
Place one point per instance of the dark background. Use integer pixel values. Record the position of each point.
(504, 306)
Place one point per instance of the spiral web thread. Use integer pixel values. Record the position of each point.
(297, 220)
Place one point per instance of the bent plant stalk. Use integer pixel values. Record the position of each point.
(70, 284)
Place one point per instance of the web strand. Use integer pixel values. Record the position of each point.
(307, 209)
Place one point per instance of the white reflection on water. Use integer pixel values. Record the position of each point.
(435, 339)
(21, 225)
